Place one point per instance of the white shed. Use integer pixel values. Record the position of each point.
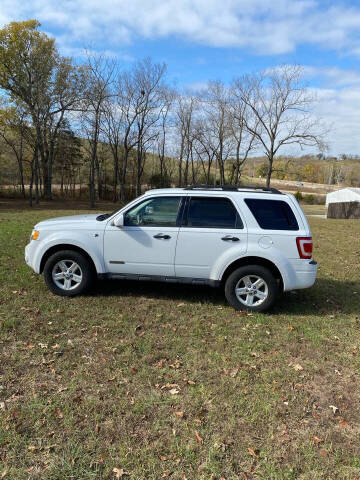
(344, 195)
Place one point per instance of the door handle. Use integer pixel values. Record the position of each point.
(229, 238)
(162, 236)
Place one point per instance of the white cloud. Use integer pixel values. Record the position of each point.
(263, 27)
(340, 109)
(334, 76)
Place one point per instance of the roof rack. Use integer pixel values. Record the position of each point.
(234, 188)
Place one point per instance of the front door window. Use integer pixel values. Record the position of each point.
(154, 212)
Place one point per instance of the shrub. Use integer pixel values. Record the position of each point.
(299, 196)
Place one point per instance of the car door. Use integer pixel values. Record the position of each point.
(145, 245)
(212, 230)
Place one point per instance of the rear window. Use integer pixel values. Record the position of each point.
(272, 214)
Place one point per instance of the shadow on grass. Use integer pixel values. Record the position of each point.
(325, 297)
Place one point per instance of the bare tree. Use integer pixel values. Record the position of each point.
(130, 104)
(244, 141)
(148, 78)
(161, 140)
(279, 111)
(186, 106)
(100, 74)
(205, 149)
(216, 101)
(112, 126)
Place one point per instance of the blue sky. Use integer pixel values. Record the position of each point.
(220, 39)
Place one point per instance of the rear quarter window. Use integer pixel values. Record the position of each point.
(272, 214)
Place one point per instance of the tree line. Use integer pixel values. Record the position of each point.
(102, 125)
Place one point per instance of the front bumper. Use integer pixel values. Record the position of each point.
(30, 254)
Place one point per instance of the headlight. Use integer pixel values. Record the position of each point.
(34, 235)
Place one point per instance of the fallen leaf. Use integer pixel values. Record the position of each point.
(32, 448)
(344, 424)
(179, 414)
(119, 472)
(133, 370)
(59, 413)
(317, 440)
(199, 439)
(176, 364)
(323, 452)
(297, 367)
(254, 453)
(174, 391)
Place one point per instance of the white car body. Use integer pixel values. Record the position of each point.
(189, 254)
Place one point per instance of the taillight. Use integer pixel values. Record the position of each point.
(305, 246)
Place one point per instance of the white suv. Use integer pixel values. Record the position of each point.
(256, 242)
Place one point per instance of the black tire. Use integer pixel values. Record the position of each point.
(251, 270)
(86, 269)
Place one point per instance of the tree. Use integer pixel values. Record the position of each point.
(67, 158)
(64, 94)
(216, 102)
(33, 74)
(27, 60)
(244, 141)
(99, 78)
(149, 88)
(112, 126)
(186, 106)
(12, 131)
(161, 140)
(280, 111)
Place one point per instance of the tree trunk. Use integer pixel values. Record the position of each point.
(116, 174)
(270, 171)
(37, 175)
(123, 175)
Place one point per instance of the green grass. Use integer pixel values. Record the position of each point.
(88, 385)
(314, 209)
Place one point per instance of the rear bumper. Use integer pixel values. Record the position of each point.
(304, 274)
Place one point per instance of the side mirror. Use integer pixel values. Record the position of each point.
(119, 221)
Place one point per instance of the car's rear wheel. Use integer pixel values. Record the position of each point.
(252, 287)
(68, 273)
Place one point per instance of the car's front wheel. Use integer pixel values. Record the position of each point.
(251, 287)
(68, 273)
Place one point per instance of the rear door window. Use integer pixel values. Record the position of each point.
(210, 212)
(272, 214)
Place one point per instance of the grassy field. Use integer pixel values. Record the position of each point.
(147, 381)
